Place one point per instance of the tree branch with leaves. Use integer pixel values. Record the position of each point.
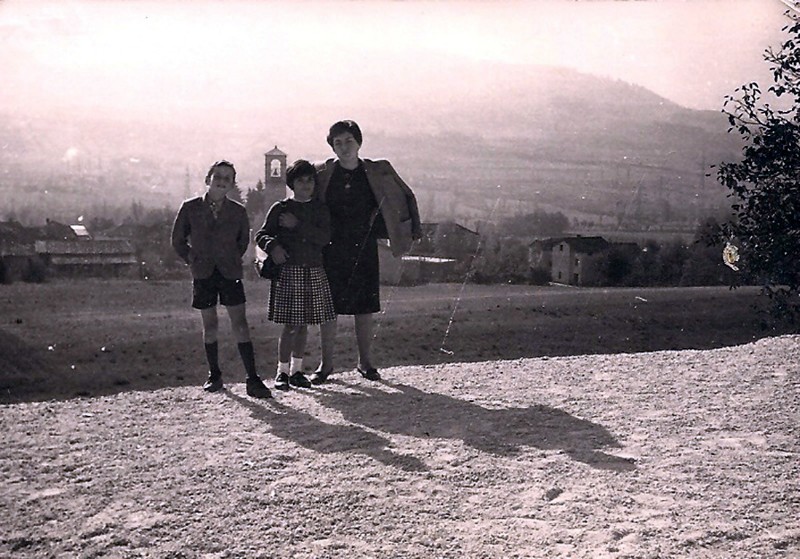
(765, 183)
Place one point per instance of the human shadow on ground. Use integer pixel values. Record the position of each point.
(405, 410)
(309, 432)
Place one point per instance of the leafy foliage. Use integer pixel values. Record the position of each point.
(764, 184)
(501, 260)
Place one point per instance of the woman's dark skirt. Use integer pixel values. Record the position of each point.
(353, 270)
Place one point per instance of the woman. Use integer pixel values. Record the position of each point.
(367, 201)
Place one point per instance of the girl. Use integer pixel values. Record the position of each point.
(294, 233)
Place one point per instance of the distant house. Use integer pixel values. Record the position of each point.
(32, 253)
(572, 258)
(413, 270)
(96, 258)
(153, 249)
(447, 240)
(434, 258)
(53, 230)
(429, 269)
(17, 254)
(70, 251)
(80, 232)
(128, 231)
(540, 253)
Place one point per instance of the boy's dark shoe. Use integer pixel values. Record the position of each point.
(282, 381)
(299, 380)
(256, 388)
(320, 376)
(370, 373)
(213, 383)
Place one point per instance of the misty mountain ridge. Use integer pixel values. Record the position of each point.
(551, 135)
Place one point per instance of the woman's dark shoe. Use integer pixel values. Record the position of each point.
(320, 376)
(299, 380)
(370, 373)
(256, 388)
(282, 381)
(213, 383)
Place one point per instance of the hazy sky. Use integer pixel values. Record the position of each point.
(171, 54)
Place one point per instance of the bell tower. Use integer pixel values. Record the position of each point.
(274, 176)
(274, 168)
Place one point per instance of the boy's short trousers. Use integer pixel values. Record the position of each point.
(205, 291)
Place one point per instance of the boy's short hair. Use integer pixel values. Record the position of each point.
(344, 126)
(220, 163)
(300, 168)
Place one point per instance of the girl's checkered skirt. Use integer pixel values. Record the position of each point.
(301, 296)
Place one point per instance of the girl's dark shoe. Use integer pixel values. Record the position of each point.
(299, 380)
(320, 376)
(213, 383)
(281, 381)
(370, 373)
(256, 388)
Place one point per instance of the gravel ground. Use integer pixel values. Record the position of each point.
(663, 454)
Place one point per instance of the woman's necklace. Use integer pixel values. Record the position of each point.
(348, 176)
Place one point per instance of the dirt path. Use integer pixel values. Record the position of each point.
(665, 454)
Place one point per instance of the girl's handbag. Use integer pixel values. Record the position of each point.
(267, 268)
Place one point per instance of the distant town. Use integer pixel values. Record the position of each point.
(513, 242)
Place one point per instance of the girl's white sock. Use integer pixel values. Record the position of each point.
(283, 367)
(297, 364)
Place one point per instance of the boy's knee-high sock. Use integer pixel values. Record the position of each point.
(212, 356)
(248, 358)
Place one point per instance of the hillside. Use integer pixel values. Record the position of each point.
(548, 136)
(579, 142)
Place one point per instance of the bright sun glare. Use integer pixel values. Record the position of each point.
(139, 51)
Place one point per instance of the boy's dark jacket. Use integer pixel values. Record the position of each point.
(396, 201)
(205, 243)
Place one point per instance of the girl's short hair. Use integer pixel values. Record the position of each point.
(220, 163)
(344, 126)
(300, 168)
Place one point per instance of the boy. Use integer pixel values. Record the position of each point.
(211, 234)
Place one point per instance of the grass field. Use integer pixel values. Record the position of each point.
(89, 337)
(489, 437)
